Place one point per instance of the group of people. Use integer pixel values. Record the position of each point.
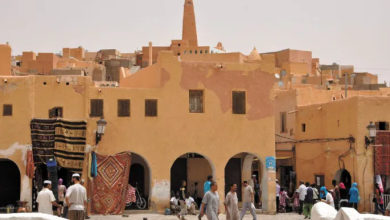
(307, 195)
(72, 201)
(210, 202)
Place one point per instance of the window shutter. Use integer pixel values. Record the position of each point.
(387, 126)
(196, 101)
(377, 126)
(239, 104)
(124, 108)
(151, 107)
(7, 110)
(52, 113)
(96, 108)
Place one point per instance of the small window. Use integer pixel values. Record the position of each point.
(239, 104)
(178, 54)
(196, 51)
(205, 51)
(303, 127)
(196, 101)
(200, 51)
(382, 126)
(7, 110)
(56, 112)
(283, 122)
(179, 45)
(190, 51)
(151, 107)
(185, 52)
(96, 108)
(124, 108)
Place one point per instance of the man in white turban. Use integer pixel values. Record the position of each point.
(46, 199)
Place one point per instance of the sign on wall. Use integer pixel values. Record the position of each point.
(270, 163)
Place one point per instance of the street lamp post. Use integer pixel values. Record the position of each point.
(371, 133)
(101, 127)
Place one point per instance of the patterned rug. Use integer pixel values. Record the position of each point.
(42, 138)
(382, 153)
(109, 188)
(70, 141)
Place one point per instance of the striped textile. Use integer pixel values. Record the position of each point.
(42, 138)
(63, 139)
(70, 143)
(130, 197)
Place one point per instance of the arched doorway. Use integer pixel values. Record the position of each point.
(194, 169)
(9, 183)
(343, 176)
(242, 167)
(140, 177)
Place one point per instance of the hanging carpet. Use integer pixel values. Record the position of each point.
(66, 140)
(382, 153)
(109, 188)
(70, 141)
(42, 138)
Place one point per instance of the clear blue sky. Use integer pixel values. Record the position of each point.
(349, 32)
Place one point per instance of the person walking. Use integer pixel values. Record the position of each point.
(211, 202)
(308, 201)
(61, 193)
(343, 196)
(336, 193)
(378, 200)
(46, 199)
(302, 194)
(248, 201)
(231, 204)
(283, 200)
(354, 196)
(316, 194)
(182, 200)
(206, 188)
(76, 199)
(328, 197)
(277, 195)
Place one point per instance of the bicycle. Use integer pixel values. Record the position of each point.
(140, 202)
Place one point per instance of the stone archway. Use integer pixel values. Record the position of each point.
(140, 175)
(194, 169)
(9, 183)
(343, 176)
(240, 168)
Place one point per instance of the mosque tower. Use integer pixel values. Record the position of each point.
(189, 24)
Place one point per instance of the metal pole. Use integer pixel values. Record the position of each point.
(346, 84)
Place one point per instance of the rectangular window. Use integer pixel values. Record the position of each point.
(196, 101)
(96, 108)
(55, 112)
(283, 122)
(239, 104)
(151, 107)
(382, 126)
(7, 110)
(303, 127)
(319, 180)
(124, 108)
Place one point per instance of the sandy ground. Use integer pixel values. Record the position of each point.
(289, 216)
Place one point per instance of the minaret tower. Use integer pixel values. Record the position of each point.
(189, 24)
